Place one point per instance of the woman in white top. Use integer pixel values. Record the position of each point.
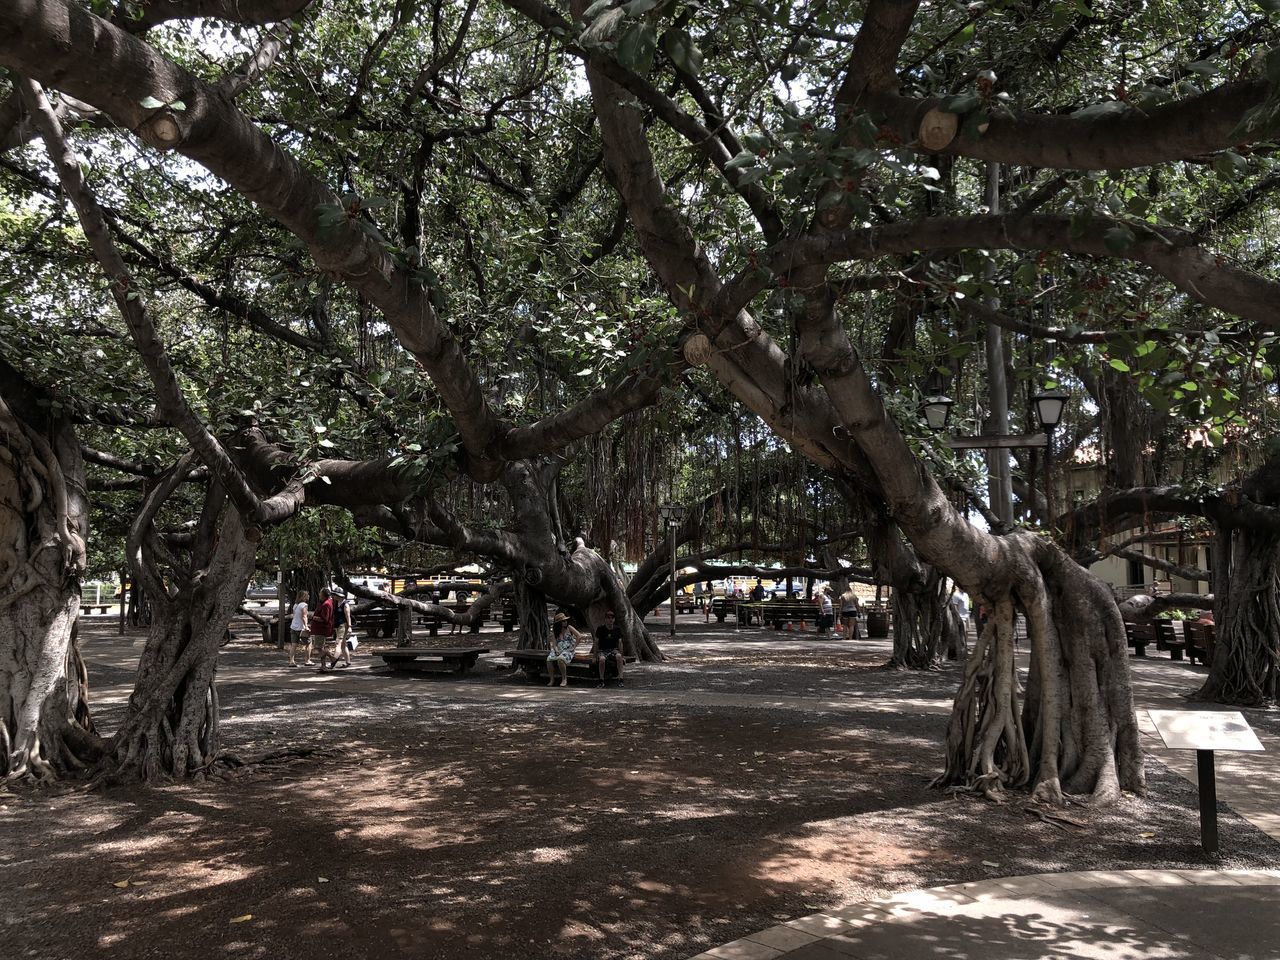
(298, 628)
(826, 619)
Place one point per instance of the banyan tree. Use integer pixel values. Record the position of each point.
(484, 271)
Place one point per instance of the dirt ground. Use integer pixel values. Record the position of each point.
(488, 818)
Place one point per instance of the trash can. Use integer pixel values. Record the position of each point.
(877, 624)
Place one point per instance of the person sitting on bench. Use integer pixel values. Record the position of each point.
(608, 644)
(564, 643)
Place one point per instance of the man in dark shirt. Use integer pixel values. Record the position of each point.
(608, 644)
(757, 596)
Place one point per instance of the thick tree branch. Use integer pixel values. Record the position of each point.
(253, 12)
(1178, 130)
(1208, 277)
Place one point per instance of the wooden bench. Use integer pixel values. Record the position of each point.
(376, 621)
(432, 659)
(775, 613)
(534, 664)
(1200, 638)
(1140, 636)
(1167, 639)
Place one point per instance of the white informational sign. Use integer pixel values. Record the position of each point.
(1204, 730)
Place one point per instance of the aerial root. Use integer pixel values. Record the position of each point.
(228, 764)
(1059, 820)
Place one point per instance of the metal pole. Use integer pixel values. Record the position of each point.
(671, 535)
(282, 609)
(1208, 801)
(1048, 478)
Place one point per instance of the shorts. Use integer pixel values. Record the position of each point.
(558, 658)
(343, 632)
(609, 653)
(297, 636)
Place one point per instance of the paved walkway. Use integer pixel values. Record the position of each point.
(1109, 915)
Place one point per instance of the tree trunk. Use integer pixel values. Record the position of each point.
(1074, 730)
(922, 629)
(1244, 668)
(578, 577)
(45, 730)
(531, 605)
(171, 727)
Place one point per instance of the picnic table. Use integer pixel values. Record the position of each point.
(721, 607)
(432, 659)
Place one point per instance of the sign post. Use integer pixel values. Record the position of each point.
(1205, 731)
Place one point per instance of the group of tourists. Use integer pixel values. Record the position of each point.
(331, 620)
(606, 648)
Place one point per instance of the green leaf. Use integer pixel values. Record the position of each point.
(1120, 365)
(596, 8)
(1097, 111)
(636, 48)
(744, 159)
(959, 103)
(684, 53)
(1119, 239)
(638, 8)
(151, 103)
(789, 72)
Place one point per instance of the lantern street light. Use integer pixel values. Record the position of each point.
(672, 516)
(937, 411)
(1049, 405)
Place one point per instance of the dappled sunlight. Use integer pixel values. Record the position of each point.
(460, 820)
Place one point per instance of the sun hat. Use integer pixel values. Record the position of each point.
(559, 618)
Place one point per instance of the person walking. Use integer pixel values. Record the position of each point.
(321, 623)
(960, 603)
(298, 629)
(344, 636)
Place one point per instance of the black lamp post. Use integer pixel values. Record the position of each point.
(937, 411)
(1048, 406)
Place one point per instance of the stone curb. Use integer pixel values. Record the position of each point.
(939, 901)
